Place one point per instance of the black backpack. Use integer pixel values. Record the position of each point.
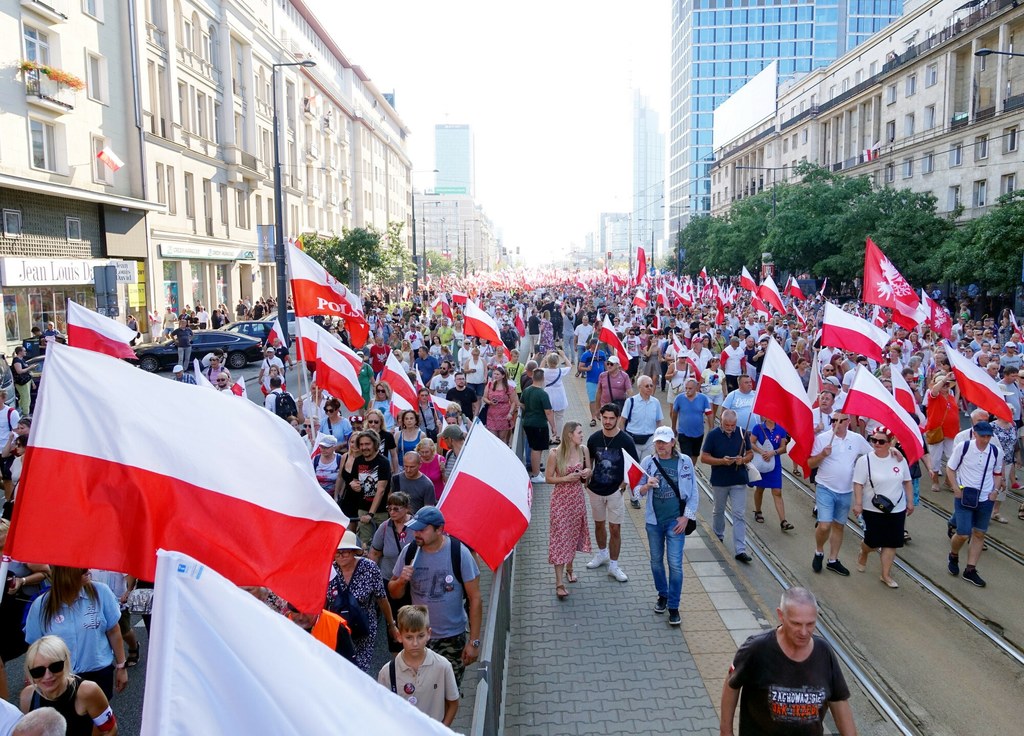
(456, 549)
(285, 406)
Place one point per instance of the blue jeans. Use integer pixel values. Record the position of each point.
(662, 539)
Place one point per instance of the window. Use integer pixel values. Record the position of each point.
(911, 86)
(222, 191)
(890, 131)
(929, 117)
(201, 119)
(954, 197)
(890, 172)
(161, 185)
(190, 202)
(981, 147)
(93, 8)
(980, 188)
(1008, 184)
(956, 154)
(37, 46)
(931, 75)
(928, 163)
(1010, 139)
(96, 77)
(44, 155)
(908, 125)
(890, 94)
(241, 208)
(172, 194)
(73, 228)
(908, 168)
(100, 173)
(12, 224)
(183, 110)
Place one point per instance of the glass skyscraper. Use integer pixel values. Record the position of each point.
(718, 45)
(454, 160)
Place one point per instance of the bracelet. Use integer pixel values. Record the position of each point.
(120, 665)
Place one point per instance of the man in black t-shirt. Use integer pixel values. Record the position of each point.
(788, 678)
(463, 394)
(366, 486)
(605, 489)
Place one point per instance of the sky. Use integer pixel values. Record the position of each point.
(545, 86)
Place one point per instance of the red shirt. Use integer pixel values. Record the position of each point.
(378, 357)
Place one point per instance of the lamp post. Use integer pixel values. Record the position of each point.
(280, 260)
(987, 52)
(415, 262)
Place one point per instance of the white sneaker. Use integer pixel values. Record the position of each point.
(538, 479)
(601, 558)
(617, 573)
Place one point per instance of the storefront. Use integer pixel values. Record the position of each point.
(205, 274)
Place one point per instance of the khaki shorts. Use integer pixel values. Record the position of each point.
(608, 508)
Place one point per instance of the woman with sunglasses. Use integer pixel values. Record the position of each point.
(361, 580)
(86, 615)
(503, 405)
(387, 544)
(884, 474)
(382, 403)
(53, 684)
(374, 421)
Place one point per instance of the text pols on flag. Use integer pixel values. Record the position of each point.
(105, 484)
(486, 502)
(208, 631)
(314, 291)
(92, 331)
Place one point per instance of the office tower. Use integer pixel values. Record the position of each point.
(648, 175)
(454, 160)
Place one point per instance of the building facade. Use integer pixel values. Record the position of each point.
(648, 175)
(915, 107)
(718, 45)
(454, 159)
(616, 242)
(455, 227)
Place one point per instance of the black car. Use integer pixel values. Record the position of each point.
(240, 350)
(259, 329)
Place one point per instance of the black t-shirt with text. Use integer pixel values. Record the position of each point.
(609, 467)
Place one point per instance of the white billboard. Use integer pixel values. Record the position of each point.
(751, 104)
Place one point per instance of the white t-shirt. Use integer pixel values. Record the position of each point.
(9, 717)
(836, 470)
(583, 333)
(733, 356)
(887, 476)
(970, 465)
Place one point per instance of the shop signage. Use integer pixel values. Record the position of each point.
(207, 252)
(57, 271)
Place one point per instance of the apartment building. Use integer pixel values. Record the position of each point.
(455, 227)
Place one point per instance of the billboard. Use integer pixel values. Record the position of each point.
(750, 105)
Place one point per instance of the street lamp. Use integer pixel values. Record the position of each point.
(280, 260)
(415, 262)
(987, 52)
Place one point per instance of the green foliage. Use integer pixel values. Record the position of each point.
(988, 250)
(361, 253)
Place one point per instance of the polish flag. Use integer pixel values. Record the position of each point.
(849, 332)
(459, 297)
(704, 273)
(640, 298)
(662, 297)
(99, 458)
(781, 397)
(314, 291)
(885, 286)
(641, 265)
(824, 285)
(801, 320)
(441, 403)
(336, 364)
(238, 387)
(769, 292)
(793, 289)
(110, 159)
(976, 385)
(635, 475)
(90, 330)
(403, 393)
(310, 335)
(868, 398)
(936, 316)
(201, 379)
(477, 323)
(520, 325)
(814, 382)
(905, 395)
(275, 334)
(759, 305)
(204, 623)
(608, 337)
(1016, 327)
(486, 501)
(747, 281)
(441, 305)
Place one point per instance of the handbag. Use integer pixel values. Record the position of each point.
(880, 502)
(691, 524)
(934, 435)
(140, 601)
(753, 474)
(350, 610)
(970, 496)
(763, 466)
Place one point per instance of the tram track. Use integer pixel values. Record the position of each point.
(993, 543)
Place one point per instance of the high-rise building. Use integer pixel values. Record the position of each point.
(454, 160)
(718, 45)
(648, 174)
(616, 245)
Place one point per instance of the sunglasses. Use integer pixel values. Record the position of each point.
(878, 440)
(842, 421)
(54, 667)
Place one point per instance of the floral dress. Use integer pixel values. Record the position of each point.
(546, 344)
(366, 586)
(498, 414)
(569, 533)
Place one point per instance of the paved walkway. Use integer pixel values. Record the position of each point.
(602, 662)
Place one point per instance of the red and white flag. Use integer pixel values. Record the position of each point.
(747, 281)
(849, 332)
(314, 291)
(640, 298)
(769, 292)
(868, 398)
(110, 159)
(336, 364)
(99, 458)
(486, 501)
(801, 320)
(793, 289)
(976, 385)
(884, 285)
(936, 316)
(275, 334)
(1016, 328)
(641, 265)
(704, 272)
(459, 297)
(824, 285)
(905, 395)
(520, 325)
(238, 387)
(635, 475)
(403, 393)
(814, 382)
(477, 323)
(608, 337)
(441, 305)
(878, 318)
(760, 306)
(781, 398)
(92, 331)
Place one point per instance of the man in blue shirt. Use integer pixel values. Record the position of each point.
(691, 412)
(592, 363)
(727, 450)
(426, 364)
(742, 402)
(641, 415)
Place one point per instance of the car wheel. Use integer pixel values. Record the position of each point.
(149, 364)
(237, 360)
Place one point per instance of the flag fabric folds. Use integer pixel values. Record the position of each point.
(206, 630)
(936, 316)
(781, 397)
(885, 286)
(105, 484)
(403, 393)
(477, 323)
(769, 292)
(314, 291)
(634, 474)
(90, 330)
(747, 281)
(849, 332)
(608, 337)
(110, 159)
(276, 333)
(869, 398)
(487, 500)
(976, 385)
(336, 364)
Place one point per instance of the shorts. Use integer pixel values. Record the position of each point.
(607, 508)
(591, 392)
(833, 507)
(968, 519)
(537, 438)
(690, 446)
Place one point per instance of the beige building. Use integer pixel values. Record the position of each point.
(454, 226)
(915, 107)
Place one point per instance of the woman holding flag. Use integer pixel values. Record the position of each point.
(568, 468)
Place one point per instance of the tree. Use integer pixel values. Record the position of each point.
(988, 251)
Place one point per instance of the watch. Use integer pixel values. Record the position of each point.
(475, 643)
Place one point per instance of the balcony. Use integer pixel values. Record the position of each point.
(313, 152)
(51, 11)
(156, 37)
(263, 108)
(331, 162)
(985, 114)
(198, 64)
(1015, 102)
(332, 200)
(308, 108)
(959, 120)
(48, 95)
(313, 194)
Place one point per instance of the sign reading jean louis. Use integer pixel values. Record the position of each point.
(53, 271)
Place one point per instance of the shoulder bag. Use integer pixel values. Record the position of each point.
(880, 502)
(691, 524)
(970, 496)
(934, 435)
(753, 474)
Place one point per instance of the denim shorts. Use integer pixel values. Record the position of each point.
(832, 506)
(591, 392)
(968, 519)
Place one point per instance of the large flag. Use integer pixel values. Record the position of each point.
(92, 331)
(849, 332)
(769, 292)
(201, 379)
(440, 304)
(275, 334)
(520, 325)
(110, 159)
(904, 394)
(868, 398)
(314, 291)
(976, 385)
(459, 297)
(486, 501)
(640, 298)
(403, 393)
(781, 398)
(641, 265)
(885, 286)
(607, 335)
(480, 324)
(104, 486)
(207, 630)
(936, 316)
(337, 365)
(793, 289)
(747, 281)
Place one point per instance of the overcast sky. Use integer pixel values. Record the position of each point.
(546, 87)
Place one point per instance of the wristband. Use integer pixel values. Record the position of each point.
(120, 665)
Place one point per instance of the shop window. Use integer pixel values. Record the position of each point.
(12, 224)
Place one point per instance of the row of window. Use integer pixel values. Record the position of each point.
(46, 150)
(12, 226)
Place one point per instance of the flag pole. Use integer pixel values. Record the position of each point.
(304, 385)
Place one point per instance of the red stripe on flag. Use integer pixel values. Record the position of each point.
(483, 517)
(83, 337)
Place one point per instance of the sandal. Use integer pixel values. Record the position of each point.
(133, 657)
(561, 592)
(593, 422)
(786, 526)
(570, 576)
(758, 517)
(906, 536)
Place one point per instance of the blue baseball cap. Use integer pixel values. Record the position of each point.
(426, 516)
(983, 429)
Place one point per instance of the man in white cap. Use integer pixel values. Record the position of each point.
(182, 377)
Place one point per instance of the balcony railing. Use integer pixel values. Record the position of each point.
(47, 94)
(156, 37)
(198, 64)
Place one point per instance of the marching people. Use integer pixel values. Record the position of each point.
(606, 487)
(727, 450)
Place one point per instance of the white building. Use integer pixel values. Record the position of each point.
(455, 227)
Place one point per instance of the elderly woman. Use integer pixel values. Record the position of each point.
(502, 405)
(86, 615)
(356, 582)
(431, 464)
(879, 475)
(53, 684)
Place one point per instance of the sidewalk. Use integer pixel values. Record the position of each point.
(602, 662)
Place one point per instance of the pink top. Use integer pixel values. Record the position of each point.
(433, 471)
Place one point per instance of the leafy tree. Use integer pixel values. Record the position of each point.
(988, 250)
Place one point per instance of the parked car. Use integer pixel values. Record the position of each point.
(240, 349)
(259, 329)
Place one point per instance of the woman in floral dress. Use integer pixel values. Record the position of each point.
(503, 405)
(361, 577)
(546, 340)
(568, 467)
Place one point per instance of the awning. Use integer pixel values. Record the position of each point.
(83, 195)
